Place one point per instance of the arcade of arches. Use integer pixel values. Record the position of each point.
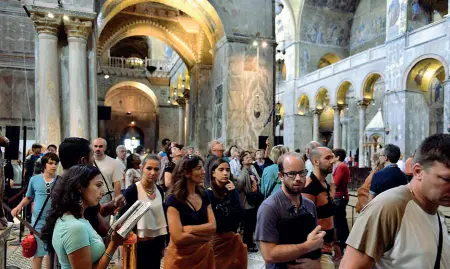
(201, 78)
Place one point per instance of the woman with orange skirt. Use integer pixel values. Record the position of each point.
(191, 219)
(229, 250)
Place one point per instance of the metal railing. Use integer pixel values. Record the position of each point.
(139, 64)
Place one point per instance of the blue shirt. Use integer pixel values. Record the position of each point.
(71, 234)
(269, 178)
(37, 188)
(387, 178)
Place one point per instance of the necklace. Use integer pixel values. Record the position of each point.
(150, 192)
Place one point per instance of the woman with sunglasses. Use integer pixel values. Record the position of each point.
(66, 232)
(229, 250)
(152, 227)
(191, 219)
(39, 187)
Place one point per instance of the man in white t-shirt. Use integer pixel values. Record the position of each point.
(401, 228)
(110, 168)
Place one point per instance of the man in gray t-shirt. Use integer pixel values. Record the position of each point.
(285, 203)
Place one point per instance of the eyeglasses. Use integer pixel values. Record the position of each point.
(293, 174)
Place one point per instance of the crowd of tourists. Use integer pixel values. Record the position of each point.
(211, 211)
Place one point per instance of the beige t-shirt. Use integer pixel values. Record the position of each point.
(397, 233)
(111, 170)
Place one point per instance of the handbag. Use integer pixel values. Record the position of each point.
(29, 244)
(254, 198)
(106, 183)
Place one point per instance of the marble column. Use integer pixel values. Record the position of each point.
(181, 120)
(93, 88)
(344, 135)
(337, 127)
(48, 80)
(362, 104)
(187, 124)
(316, 124)
(446, 106)
(78, 32)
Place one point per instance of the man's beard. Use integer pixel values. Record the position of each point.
(324, 170)
(291, 191)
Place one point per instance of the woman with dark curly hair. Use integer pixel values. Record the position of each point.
(67, 232)
(191, 219)
(229, 250)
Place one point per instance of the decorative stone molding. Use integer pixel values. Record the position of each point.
(78, 28)
(181, 101)
(317, 111)
(339, 107)
(363, 103)
(128, 27)
(45, 24)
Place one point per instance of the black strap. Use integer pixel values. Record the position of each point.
(437, 263)
(273, 186)
(104, 180)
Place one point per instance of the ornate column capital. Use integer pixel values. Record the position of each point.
(363, 103)
(186, 94)
(181, 101)
(76, 27)
(339, 107)
(317, 111)
(45, 24)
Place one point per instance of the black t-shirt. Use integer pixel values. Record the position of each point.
(228, 211)
(189, 216)
(169, 167)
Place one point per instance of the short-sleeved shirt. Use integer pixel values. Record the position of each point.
(227, 211)
(387, 178)
(274, 209)
(112, 171)
(189, 216)
(37, 188)
(71, 234)
(395, 231)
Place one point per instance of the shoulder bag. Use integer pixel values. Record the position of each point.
(109, 192)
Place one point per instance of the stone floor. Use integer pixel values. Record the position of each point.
(255, 260)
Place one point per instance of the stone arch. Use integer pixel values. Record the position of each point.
(341, 92)
(138, 85)
(328, 59)
(303, 104)
(203, 12)
(321, 98)
(368, 85)
(151, 28)
(288, 19)
(414, 63)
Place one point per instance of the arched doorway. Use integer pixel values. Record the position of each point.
(132, 136)
(427, 77)
(134, 107)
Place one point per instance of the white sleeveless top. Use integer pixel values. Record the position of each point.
(153, 223)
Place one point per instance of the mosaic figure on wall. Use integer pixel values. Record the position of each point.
(394, 12)
(436, 89)
(419, 76)
(416, 9)
(304, 61)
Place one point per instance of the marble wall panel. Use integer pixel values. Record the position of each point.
(417, 127)
(168, 123)
(17, 101)
(297, 131)
(247, 95)
(245, 17)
